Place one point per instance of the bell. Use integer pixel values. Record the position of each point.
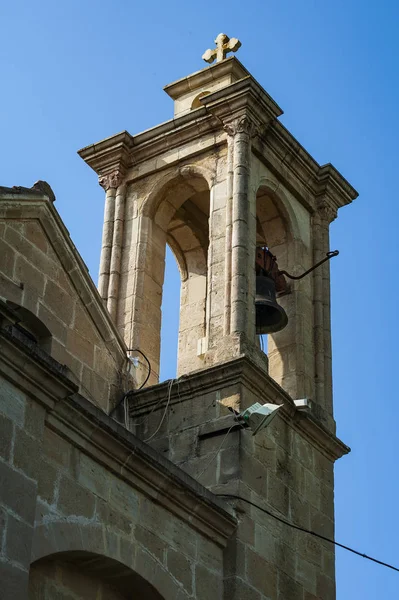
(270, 317)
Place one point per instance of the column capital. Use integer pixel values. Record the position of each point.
(242, 124)
(325, 211)
(111, 180)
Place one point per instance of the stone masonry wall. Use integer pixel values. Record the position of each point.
(56, 501)
(280, 469)
(32, 276)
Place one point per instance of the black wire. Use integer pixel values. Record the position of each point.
(318, 535)
(130, 392)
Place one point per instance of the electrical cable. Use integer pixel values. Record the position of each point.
(318, 535)
(165, 411)
(130, 392)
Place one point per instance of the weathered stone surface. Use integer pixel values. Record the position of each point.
(111, 503)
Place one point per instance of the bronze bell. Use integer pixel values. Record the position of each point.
(270, 316)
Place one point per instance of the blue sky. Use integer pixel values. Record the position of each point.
(78, 71)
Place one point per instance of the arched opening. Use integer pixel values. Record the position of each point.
(32, 329)
(170, 310)
(179, 215)
(196, 103)
(84, 576)
(271, 231)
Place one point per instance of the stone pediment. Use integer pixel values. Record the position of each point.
(44, 274)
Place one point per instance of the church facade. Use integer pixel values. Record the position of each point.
(114, 485)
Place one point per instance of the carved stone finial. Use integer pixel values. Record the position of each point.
(224, 45)
(111, 180)
(241, 125)
(45, 188)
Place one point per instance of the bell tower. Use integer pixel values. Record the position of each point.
(227, 186)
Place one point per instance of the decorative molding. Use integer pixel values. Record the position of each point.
(111, 180)
(120, 452)
(242, 371)
(242, 124)
(326, 211)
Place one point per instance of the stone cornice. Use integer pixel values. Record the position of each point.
(32, 370)
(109, 155)
(85, 426)
(43, 210)
(243, 97)
(274, 144)
(230, 66)
(122, 453)
(241, 371)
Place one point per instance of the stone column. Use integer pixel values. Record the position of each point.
(241, 130)
(116, 252)
(229, 201)
(324, 215)
(109, 183)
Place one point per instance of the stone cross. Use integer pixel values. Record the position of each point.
(224, 44)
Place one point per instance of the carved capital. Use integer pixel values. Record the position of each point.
(241, 125)
(326, 211)
(111, 180)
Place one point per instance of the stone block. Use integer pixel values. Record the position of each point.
(127, 552)
(246, 530)
(83, 325)
(59, 302)
(14, 581)
(93, 476)
(288, 588)
(277, 494)
(6, 434)
(325, 587)
(17, 492)
(74, 499)
(151, 570)
(234, 559)
(306, 574)
(56, 449)
(265, 543)
(237, 589)
(12, 402)
(261, 574)
(32, 278)
(111, 543)
(177, 534)
(208, 584)
(286, 556)
(47, 482)
(36, 236)
(18, 541)
(303, 452)
(112, 518)
(3, 529)
(209, 554)
(182, 445)
(80, 348)
(124, 498)
(35, 415)
(151, 542)
(290, 471)
(181, 569)
(7, 260)
(299, 510)
(27, 453)
(56, 326)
